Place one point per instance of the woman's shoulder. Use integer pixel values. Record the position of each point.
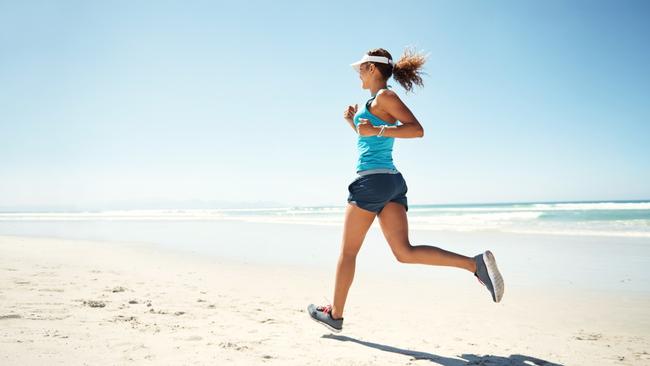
(386, 97)
(386, 94)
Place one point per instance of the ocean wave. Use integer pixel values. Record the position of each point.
(495, 218)
(624, 234)
(529, 218)
(536, 207)
(593, 206)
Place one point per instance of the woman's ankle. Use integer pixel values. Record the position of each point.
(336, 314)
(472, 267)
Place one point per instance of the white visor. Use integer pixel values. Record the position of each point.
(368, 58)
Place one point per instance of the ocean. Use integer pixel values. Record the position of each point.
(596, 218)
(597, 245)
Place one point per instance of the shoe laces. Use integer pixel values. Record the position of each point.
(327, 309)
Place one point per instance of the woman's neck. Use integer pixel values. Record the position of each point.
(376, 88)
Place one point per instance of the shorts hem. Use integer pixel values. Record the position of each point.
(363, 208)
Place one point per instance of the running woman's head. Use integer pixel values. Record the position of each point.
(407, 70)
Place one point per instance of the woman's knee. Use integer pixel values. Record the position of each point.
(350, 251)
(404, 254)
(349, 254)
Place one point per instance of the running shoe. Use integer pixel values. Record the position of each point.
(488, 274)
(323, 315)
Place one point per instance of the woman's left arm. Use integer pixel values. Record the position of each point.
(393, 105)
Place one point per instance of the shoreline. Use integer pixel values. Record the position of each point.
(527, 260)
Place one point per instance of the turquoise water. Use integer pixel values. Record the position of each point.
(585, 237)
(598, 218)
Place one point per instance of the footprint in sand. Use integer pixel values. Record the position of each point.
(94, 303)
(51, 289)
(235, 346)
(124, 318)
(589, 337)
(642, 355)
(54, 333)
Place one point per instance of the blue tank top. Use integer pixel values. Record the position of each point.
(374, 152)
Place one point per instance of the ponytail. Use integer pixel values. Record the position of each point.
(407, 71)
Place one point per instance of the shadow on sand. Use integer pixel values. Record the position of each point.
(467, 359)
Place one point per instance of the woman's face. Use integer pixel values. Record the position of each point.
(366, 71)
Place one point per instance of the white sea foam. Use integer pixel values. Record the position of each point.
(625, 234)
(520, 218)
(593, 206)
(538, 207)
(489, 217)
(116, 215)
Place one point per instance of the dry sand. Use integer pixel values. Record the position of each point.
(76, 302)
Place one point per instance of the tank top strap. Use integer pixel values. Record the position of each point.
(370, 101)
(373, 98)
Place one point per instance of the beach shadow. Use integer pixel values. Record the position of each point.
(467, 359)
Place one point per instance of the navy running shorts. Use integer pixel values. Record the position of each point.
(373, 191)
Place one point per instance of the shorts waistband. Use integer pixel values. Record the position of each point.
(378, 170)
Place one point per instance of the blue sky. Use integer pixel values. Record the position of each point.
(131, 103)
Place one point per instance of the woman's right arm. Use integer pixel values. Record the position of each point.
(348, 115)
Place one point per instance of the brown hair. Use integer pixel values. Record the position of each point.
(406, 71)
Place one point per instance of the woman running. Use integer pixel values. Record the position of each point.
(380, 190)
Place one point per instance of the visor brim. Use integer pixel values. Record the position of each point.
(357, 66)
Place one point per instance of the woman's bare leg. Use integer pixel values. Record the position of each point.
(356, 225)
(394, 225)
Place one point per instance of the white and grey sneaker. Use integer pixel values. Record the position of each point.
(488, 274)
(323, 315)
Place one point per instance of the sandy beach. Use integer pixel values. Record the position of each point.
(178, 179)
(80, 302)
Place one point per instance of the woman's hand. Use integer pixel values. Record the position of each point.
(349, 113)
(390, 103)
(365, 128)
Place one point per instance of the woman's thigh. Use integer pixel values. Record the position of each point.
(394, 225)
(356, 225)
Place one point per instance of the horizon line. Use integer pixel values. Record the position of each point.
(62, 208)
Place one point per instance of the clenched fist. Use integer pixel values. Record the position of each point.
(350, 111)
(366, 128)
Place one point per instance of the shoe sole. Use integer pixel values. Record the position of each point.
(494, 274)
(325, 324)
